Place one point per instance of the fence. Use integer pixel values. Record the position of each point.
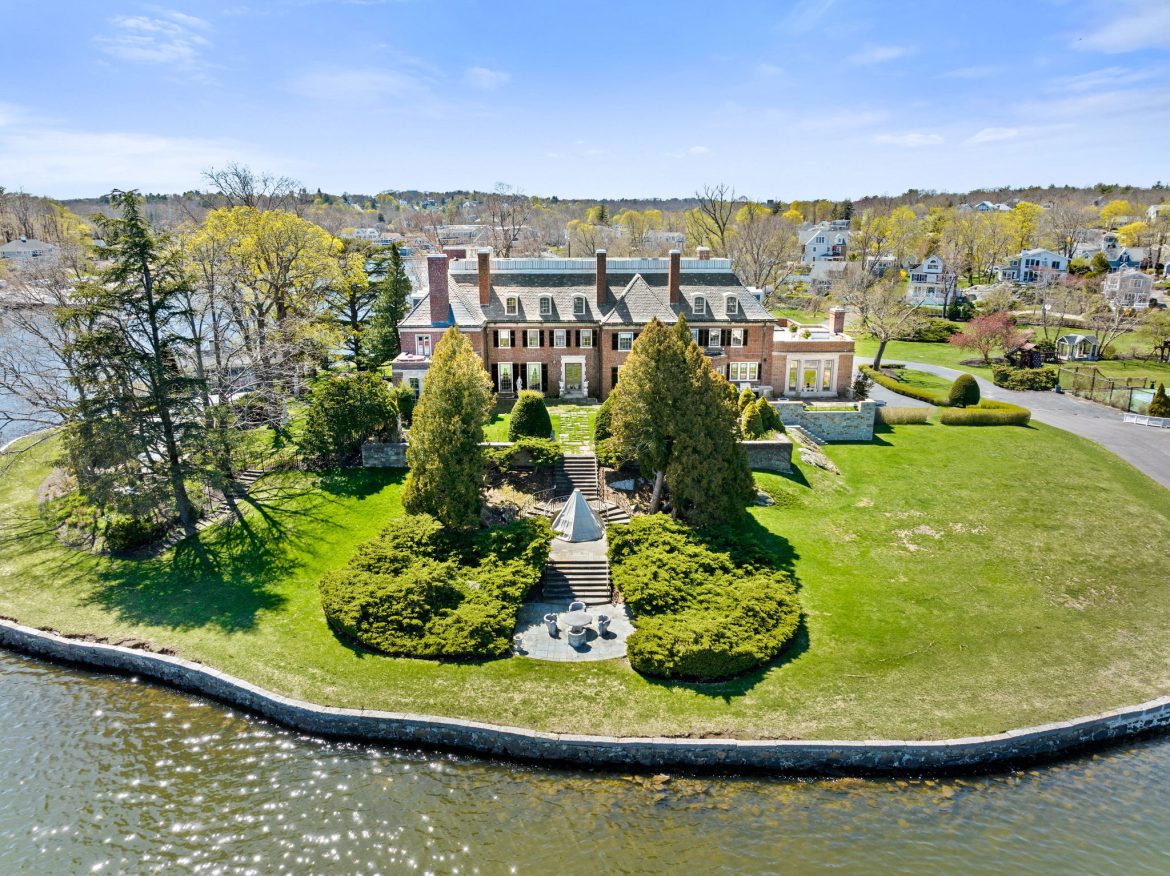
(1142, 420)
(1087, 381)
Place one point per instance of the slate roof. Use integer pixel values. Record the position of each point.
(632, 299)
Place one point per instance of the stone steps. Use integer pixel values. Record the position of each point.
(577, 581)
(577, 472)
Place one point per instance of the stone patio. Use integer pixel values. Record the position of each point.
(535, 642)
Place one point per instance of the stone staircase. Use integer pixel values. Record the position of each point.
(576, 472)
(569, 579)
(807, 436)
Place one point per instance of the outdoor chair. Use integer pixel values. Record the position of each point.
(602, 624)
(550, 621)
(577, 637)
(576, 606)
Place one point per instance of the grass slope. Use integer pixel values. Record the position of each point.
(941, 600)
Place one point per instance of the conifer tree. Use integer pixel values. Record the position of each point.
(444, 454)
(392, 286)
(1160, 404)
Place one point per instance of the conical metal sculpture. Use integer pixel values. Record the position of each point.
(577, 522)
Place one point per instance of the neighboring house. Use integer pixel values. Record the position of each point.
(24, 248)
(984, 207)
(365, 234)
(928, 283)
(1077, 348)
(461, 235)
(1157, 210)
(827, 241)
(1132, 288)
(1032, 264)
(1119, 255)
(565, 326)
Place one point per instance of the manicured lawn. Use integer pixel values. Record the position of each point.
(799, 315)
(572, 423)
(947, 593)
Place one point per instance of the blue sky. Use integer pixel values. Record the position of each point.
(780, 99)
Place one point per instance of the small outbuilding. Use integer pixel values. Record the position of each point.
(1077, 348)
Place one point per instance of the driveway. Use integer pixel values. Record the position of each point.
(1145, 448)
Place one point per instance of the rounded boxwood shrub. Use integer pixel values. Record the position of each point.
(420, 590)
(530, 417)
(964, 392)
(1024, 379)
(751, 422)
(1160, 404)
(746, 397)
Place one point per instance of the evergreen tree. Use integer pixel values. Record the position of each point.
(1160, 404)
(135, 434)
(392, 288)
(964, 392)
(530, 417)
(746, 397)
(344, 412)
(444, 454)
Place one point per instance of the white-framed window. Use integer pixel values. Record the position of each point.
(700, 305)
(732, 304)
(586, 337)
(695, 335)
(743, 371)
(422, 345)
(511, 305)
(579, 305)
(545, 305)
(737, 337)
(827, 375)
(505, 337)
(560, 338)
(534, 380)
(532, 338)
(625, 342)
(415, 385)
(504, 376)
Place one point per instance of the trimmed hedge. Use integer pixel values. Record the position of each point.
(964, 392)
(889, 383)
(420, 590)
(1024, 379)
(530, 417)
(541, 453)
(934, 331)
(700, 614)
(902, 416)
(987, 413)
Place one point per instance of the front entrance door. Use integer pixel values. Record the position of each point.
(573, 376)
(504, 370)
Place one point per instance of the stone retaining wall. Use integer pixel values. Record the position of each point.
(773, 455)
(829, 425)
(388, 455)
(727, 755)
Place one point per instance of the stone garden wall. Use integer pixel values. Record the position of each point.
(772, 455)
(384, 455)
(829, 425)
(726, 755)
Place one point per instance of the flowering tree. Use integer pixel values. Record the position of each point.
(986, 333)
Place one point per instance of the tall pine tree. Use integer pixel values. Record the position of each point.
(392, 287)
(444, 454)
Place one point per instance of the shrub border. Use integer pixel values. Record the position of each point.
(828, 757)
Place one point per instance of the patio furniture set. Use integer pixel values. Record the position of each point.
(577, 619)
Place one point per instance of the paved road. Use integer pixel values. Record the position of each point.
(1145, 448)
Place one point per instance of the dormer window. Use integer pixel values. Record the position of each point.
(732, 305)
(700, 305)
(579, 305)
(545, 305)
(511, 306)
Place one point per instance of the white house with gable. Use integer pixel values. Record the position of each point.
(928, 283)
(825, 242)
(1033, 264)
(1132, 288)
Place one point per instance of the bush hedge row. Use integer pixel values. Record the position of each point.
(705, 607)
(421, 590)
(540, 452)
(1024, 379)
(902, 416)
(987, 413)
(934, 398)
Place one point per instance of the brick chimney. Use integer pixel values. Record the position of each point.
(602, 278)
(484, 271)
(704, 253)
(837, 320)
(675, 276)
(440, 296)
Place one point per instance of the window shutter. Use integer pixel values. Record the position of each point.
(576, 337)
(544, 376)
(523, 337)
(704, 337)
(542, 337)
(725, 338)
(595, 334)
(613, 374)
(515, 368)
(496, 380)
(495, 338)
(613, 338)
(745, 334)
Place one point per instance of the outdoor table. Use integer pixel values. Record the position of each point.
(577, 619)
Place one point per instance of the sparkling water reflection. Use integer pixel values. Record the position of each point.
(106, 776)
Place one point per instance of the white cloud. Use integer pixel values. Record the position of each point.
(994, 135)
(1097, 80)
(805, 15)
(1131, 26)
(486, 79)
(910, 139)
(877, 55)
(699, 150)
(768, 70)
(67, 162)
(976, 72)
(171, 38)
(359, 86)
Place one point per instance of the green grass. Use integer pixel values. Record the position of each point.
(941, 599)
(800, 315)
(572, 423)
